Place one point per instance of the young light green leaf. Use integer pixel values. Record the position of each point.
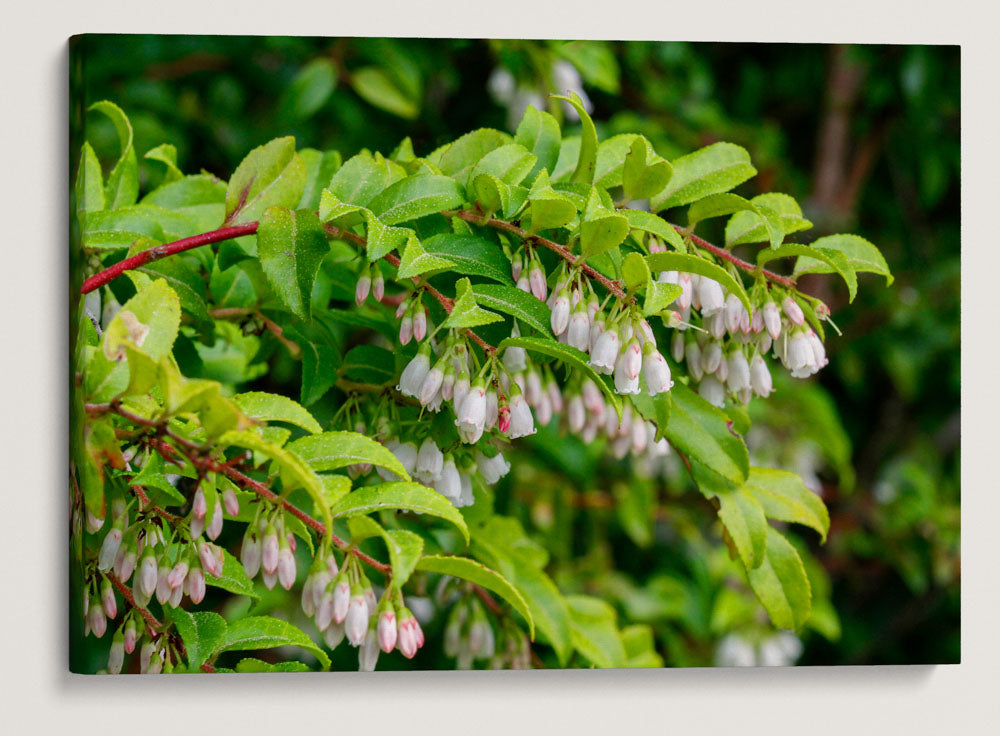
(404, 547)
(654, 408)
(471, 255)
(610, 162)
(645, 173)
(362, 177)
(781, 584)
(265, 632)
(510, 163)
(150, 320)
(654, 225)
(266, 407)
(376, 86)
(549, 209)
(539, 133)
(465, 312)
(291, 246)
(509, 300)
(701, 431)
(166, 154)
(335, 450)
(635, 271)
(415, 197)
(726, 203)
(320, 168)
(861, 255)
(835, 259)
(587, 159)
(784, 497)
(122, 187)
(567, 354)
(709, 170)
(89, 183)
(271, 175)
(416, 260)
(458, 158)
(694, 264)
(401, 495)
(601, 229)
(474, 572)
(748, 226)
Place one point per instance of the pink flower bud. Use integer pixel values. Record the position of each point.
(363, 288)
(116, 657)
(324, 611)
(536, 279)
(286, 567)
(109, 549)
(522, 423)
(333, 635)
(368, 653)
(130, 636)
(95, 617)
(215, 527)
(624, 382)
(269, 550)
(341, 601)
(578, 332)
(175, 596)
(793, 311)
(163, 590)
(270, 579)
(378, 286)
(356, 622)
(148, 575)
(199, 506)
(656, 373)
(432, 383)
(760, 377)
(559, 319)
(772, 319)
(108, 601)
(405, 329)
(605, 352)
(195, 582)
(230, 501)
(209, 559)
(387, 630)
(420, 323)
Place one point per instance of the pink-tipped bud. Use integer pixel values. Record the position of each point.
(378, 287)
(420, 323)
(130, 636)
(286, 567)
(269, 550)
(405, 329)
(793, 311)
(109, 549)
(176, 577)
(536, 280)
(199, 506)
(341, 601)
(387, 630)
(196, 585)
(250, 554)
(559, 319)
(163, 589)
(116, 657)
(108, 601)
(148, 574)
(356, 621)
(230, 501)
(363, 288)
(209, 559)
(95, 617)
(368, 653)
(406, 639)
(214, 528)
(324, 611)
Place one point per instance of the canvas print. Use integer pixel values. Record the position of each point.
(412, 354)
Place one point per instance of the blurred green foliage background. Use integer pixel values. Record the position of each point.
(866, 137)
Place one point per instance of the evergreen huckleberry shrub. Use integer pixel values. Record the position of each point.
(444, 312)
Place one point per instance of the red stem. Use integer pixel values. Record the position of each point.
(162, 251)
(151, 621)
(739, 263)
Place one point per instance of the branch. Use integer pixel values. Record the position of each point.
(162, 251)
(739, 263)
(152, 622)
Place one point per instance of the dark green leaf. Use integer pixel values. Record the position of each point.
(271, 175)
(471, 255)
(510, 300)
(291, 246)
(401, 495)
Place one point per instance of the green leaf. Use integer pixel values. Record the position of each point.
(416, 260)
(402, 495)
(254, 665)
(166, 154)
(187, 283)
(595, 61)
(200, 198)
(335, 450)
(510, 163)
(638, 278)
(716, 205)
(309, 90)
(587, 160)
(595, 635)
(122, 187)
(749, 227)
(271, 175)
(484, 577)
(320, 168)
(701, 431)
(266, 407)
(201, 632)
(694, 264)
(781, 584)
(377, 87)
(153, 478)
(458, 158)
(415, 197)
(640, 648)
(655, 408)
(233, 577)
(655, 225)
(465, 312)
(568, 354)
(601, 229)
(549, 209)
(509, 300)
(610, 163)
(321, 359)
(861, 255)
(265, 632)
(156, 311)
(644, 173)
(291, 246)
(404, 547)
(709, 170)
(835, 259)
(784, 497)
(635, 272)
(471, 255)
(492, 195)
(362, 177)
(539, 133)
(744, 519)
(369, 364)
(89, 182)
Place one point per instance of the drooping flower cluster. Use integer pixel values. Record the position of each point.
(343, 604)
